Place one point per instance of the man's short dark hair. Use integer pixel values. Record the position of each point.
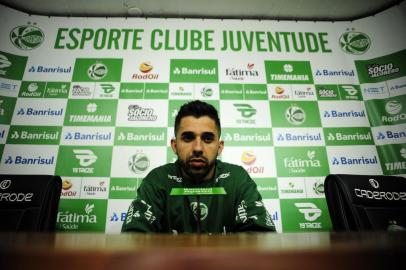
(197, 109)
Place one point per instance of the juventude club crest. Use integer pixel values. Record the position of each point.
(354, 42)
(27, 37)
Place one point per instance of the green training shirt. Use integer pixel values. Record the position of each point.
(239, 209)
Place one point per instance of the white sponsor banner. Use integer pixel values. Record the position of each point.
(97, 136)
(35, 159)
(3, 133)
(235, 70)
(39, 112)
(245, 114)
(95, 188)
(374, 90)
(397, 87)
(274, 209)
(291, 187)
(9, 88)
(145, 69)
(342, 159)
(116, 214)
(280, 92)
(304, 92)
(82, 90)
(131, 161)
(53, 69)
(142, 113)
(71, 187)
(339, 72)
(257, 161)
(298, 137)
(395, 134)
(343, 114)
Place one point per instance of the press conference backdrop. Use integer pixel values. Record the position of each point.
(94, 99)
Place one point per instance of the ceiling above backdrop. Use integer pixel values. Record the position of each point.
(320, 10)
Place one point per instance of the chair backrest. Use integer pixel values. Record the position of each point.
(29, 202)
(366, 202)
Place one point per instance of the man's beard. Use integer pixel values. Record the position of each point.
(196, 173)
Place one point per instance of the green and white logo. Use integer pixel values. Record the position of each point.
(97, 71)
(295, 115)
(123, 188)
(12, 66)
(301, 161)
(90, 112)
(387, 111)
(305, 215)
(348, 136)
(231, 91)
(84, 161)
(294, 72)
(204, 210)
(34, 135)
(247, 137)
(288, 114)
(353, 42)
(81, 215)
(26, 37)
(196, 70)
(393, 158)
(267, 187)
(32, 89)
(140, 136)
(138, 163)
(7, 105)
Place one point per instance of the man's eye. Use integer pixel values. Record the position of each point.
(188, 137)
(208, 138)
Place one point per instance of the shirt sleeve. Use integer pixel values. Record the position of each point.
(251, 213)
(146, 211)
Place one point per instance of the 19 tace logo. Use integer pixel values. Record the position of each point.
(26, 37)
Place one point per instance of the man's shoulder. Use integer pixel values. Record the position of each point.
(161, 173)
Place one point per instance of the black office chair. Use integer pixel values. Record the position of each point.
(29, 202)
(366, 202)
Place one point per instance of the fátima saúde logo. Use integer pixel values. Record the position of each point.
(26, 37)
(355, 42)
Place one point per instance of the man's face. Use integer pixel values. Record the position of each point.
(197, 145)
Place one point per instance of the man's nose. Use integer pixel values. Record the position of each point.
(197, 144)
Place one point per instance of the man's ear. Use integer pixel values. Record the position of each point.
(173, 145)
(221, 147)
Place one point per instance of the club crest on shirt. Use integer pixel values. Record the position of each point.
(204, 210)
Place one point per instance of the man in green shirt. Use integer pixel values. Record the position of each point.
(197, 193)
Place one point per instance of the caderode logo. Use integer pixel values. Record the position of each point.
(5, 184)
(353, 42)
(26, 37)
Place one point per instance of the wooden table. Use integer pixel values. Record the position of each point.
(257, 251)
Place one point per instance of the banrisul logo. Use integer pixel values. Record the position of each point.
(296, 72)
(194, 70)
(247, 137)
(84, 161)
(82, 215)
(140, 136)
(301, 161)
(27, 37)
(123, 188)
(353, 42)
(34, 135)
(90, 112)
(297, 114)
(393, 158)
(348, 136)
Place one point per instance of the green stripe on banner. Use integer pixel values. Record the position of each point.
(198, 191)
